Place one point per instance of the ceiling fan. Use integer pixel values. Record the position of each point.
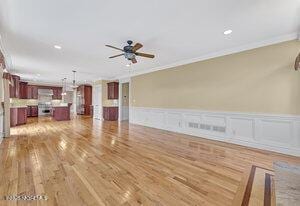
(130, 52)
(297, 63)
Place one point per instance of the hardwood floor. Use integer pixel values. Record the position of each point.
(89, 162)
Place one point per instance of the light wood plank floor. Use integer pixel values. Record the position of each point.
(89, 162)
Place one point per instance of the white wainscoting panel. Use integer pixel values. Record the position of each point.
(1, 126)
(279, 133)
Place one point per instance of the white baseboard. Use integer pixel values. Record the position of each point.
(279, 133)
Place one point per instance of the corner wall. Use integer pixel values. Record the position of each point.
(257, 81)
(250, 98)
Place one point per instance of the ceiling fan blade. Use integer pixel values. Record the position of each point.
(297, 63)
(116, 56)
(136, 47)
(113, 47)
(133, 60)
(144, 55)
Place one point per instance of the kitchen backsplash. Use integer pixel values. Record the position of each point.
(56, 102)
(23, 102)
(31, 102)
(110, 103)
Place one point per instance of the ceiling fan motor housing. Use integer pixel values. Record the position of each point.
(129, 54)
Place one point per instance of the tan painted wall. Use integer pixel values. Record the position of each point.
(260, 80)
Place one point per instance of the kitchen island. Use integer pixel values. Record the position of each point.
(61, 112)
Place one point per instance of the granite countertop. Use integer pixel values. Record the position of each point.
(60, 106)
(23, 106)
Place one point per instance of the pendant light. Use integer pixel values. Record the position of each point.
(74, 86)
(64, 86)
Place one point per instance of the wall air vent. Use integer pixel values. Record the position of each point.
(219, 129)
(193, 125)
(208, 127)
(205, 126)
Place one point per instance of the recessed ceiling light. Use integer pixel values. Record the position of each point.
(57, 47)
(38, 75)
(128, 65)
(227, 32)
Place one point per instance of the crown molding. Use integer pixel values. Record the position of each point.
(275, 40)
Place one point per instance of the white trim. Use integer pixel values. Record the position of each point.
(1, 126)
(250, 46)
(274, 132)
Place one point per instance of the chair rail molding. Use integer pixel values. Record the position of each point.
(278, 133)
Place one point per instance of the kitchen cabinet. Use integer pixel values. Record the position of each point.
(13, 117)
(22, 116)
(32, 111)
(14, 87)
(18, 116)
(113, 90)
(110, 113)
(57, 93)
(84, 100)
(32, 92)
(23, 90)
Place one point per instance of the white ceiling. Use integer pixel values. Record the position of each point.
(175, 31)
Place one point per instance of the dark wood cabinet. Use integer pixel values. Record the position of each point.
(22, 116)
(113, 90)
(14, 87)
(57, 93)
(61, 113)
(32, 92)
(110, 113)
(32, 111)
(84, 99)
(23, 90)
(13, 117)
(18, 116)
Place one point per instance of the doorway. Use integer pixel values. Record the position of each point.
(124, 114)
(97, 101)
